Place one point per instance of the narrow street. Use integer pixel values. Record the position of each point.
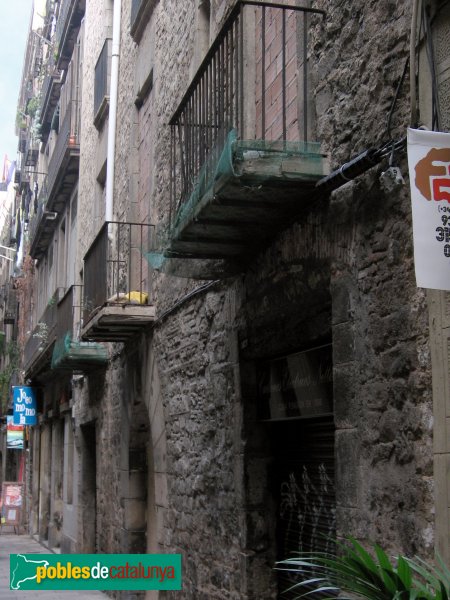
(23, 544)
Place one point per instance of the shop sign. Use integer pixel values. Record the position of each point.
(14, 435)
(12, 499)
(429, 174)
(25, 405)
(297, 385)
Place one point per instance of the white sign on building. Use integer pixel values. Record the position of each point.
(429, 174)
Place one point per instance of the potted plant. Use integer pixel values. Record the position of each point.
(355, 571)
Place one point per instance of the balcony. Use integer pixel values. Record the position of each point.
(50, 92)
(70, 354)
(39, 346)
(59, 183)
(242, 164)
(22, 146)
(10, 312)
(116, 280)
(71, 13)
(31, 155)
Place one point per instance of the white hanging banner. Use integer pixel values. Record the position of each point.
(429, 175)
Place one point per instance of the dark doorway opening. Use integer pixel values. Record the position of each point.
(303, 486)
(89, 489)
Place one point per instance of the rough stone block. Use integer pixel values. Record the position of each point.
(347, 448)
(135, 514)
(343, 343)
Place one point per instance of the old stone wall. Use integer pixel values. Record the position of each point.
(381, 356)
(343, 274)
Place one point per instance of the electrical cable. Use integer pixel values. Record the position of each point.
(394, 101)
(184, 299)
(435, 105)
(359, 165)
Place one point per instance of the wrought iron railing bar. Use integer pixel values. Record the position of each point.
(221, 112)
(205, 132)
(304, 9)
(129, 274)
(193, 144)
(118, 258)
(210, 106)
(305, 76)
(241, 74)
(204, 117)
(188, 142)
(200, 127)
(173, 189)
(196, 127)
(204, 65)
(141, 264)
(183, 171)
(236, 70)
(215, 104)
(225, 78)
(217, 42)
(192, 132)
(283, 73)
(263, 74)
(231, 71)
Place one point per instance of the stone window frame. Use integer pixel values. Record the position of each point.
(141, 11)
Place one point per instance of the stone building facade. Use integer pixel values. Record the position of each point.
(276, 384)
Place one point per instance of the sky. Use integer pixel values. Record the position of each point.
(14, 23)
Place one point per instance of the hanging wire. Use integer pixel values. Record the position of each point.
(394, 101)
(425, 28)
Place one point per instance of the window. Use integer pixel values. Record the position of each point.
(101, 84)
(141, 11)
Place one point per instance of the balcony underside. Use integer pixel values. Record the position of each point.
(71, 355)
(39, 365)
(69, 31)
(58, 196)
(245, 208)
(118, 322)
(50, 101)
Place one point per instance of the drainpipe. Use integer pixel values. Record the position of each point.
(113, 93)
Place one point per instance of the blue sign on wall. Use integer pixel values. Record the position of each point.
(25, 405)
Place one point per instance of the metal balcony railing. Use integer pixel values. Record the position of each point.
(22, 147)
(10, 313)
(49, 96)
(257, 64)
(70, 15)
(116, 264)
(44, 334)
(68, 139)
(65, 313)
(38, 217)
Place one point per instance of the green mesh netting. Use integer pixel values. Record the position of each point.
(230, 161)
(67, 354)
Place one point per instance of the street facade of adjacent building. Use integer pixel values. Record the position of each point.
(216, 305)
